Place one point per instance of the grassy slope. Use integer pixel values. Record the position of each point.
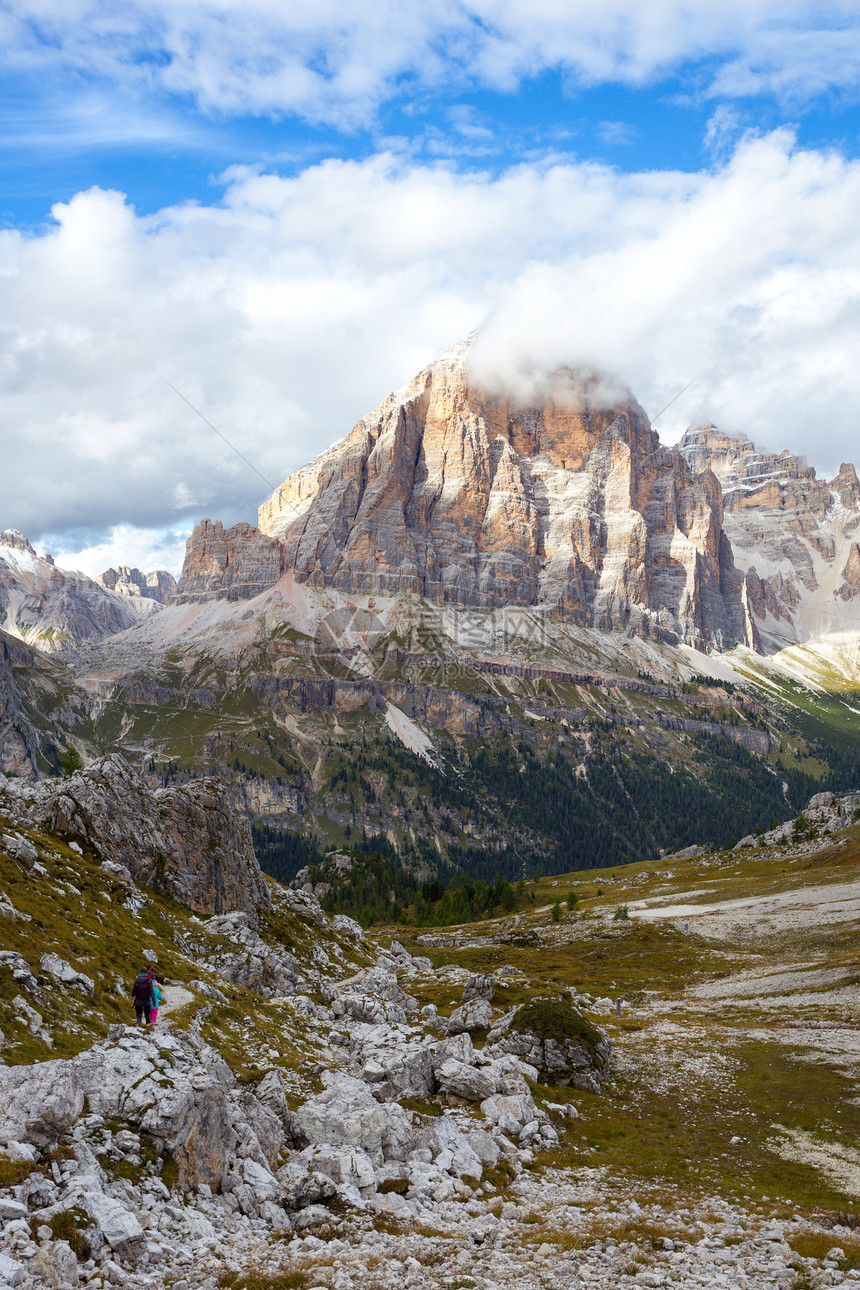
(78, 912)
(697, 1087)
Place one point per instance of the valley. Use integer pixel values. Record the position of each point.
(721, 1143)
(487, 815)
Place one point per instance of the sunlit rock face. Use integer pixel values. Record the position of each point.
(158, 585)
(228, 564)
(466, 497)
(794, 535)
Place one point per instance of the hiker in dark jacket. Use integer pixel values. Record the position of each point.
(141, 993)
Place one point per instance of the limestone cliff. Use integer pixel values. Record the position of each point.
(186, 841)
(467, 498)
(229, 564)
(793, 534)
(157, 585)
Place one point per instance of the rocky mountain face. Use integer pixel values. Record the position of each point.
(570, 507)
(157, 585)
(447, 587)
(229, 564)
(50, 607)
(185, 841)
(794, 535)
(42, 710)
(463, 497)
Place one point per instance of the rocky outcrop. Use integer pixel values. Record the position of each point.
(247, 960)
(38, 1104)
(186, 841)
(347, 1114)
(229, 564)
(792, 533)
(159, 585)
(467, 498)
(41, 709)
(851, 574)
(557, 1041)
(475, 1012)
(172, 1088)
(49, 607)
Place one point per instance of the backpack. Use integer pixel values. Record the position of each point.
(142, 988)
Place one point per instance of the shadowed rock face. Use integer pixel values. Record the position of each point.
(467, 498)
(17, 750)
(40, 708)
(187, 841)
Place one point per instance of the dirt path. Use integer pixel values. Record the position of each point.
(175, 997)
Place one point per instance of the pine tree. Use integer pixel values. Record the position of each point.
(71, 761)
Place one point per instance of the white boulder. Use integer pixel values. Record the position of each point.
(11, 1271)
(471, 1083)
(348, 927)
(347, 1114)
(470, 1017)
(345, 1166)
(65, 975)
(40, 1103)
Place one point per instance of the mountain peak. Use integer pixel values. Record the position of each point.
(16, 540)
(567, 503)
(158, 585)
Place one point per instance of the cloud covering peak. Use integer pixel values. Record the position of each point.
(292, 305)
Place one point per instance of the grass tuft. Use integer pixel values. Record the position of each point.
(556, 1019)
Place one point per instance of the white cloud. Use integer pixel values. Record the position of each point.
(616, 134)
(748, 279)
(289, 309)
(143, 549)
(337, 63)
(722, 130)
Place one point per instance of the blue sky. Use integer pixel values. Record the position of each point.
(98, 117)
(287, 208)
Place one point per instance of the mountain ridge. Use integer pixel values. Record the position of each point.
(468, 499)
(50, 607)
(485, 737)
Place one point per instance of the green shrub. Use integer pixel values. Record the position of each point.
(71, 761)
(556, 1019)
(620, 914)
(71, 1225)
(555, 913)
